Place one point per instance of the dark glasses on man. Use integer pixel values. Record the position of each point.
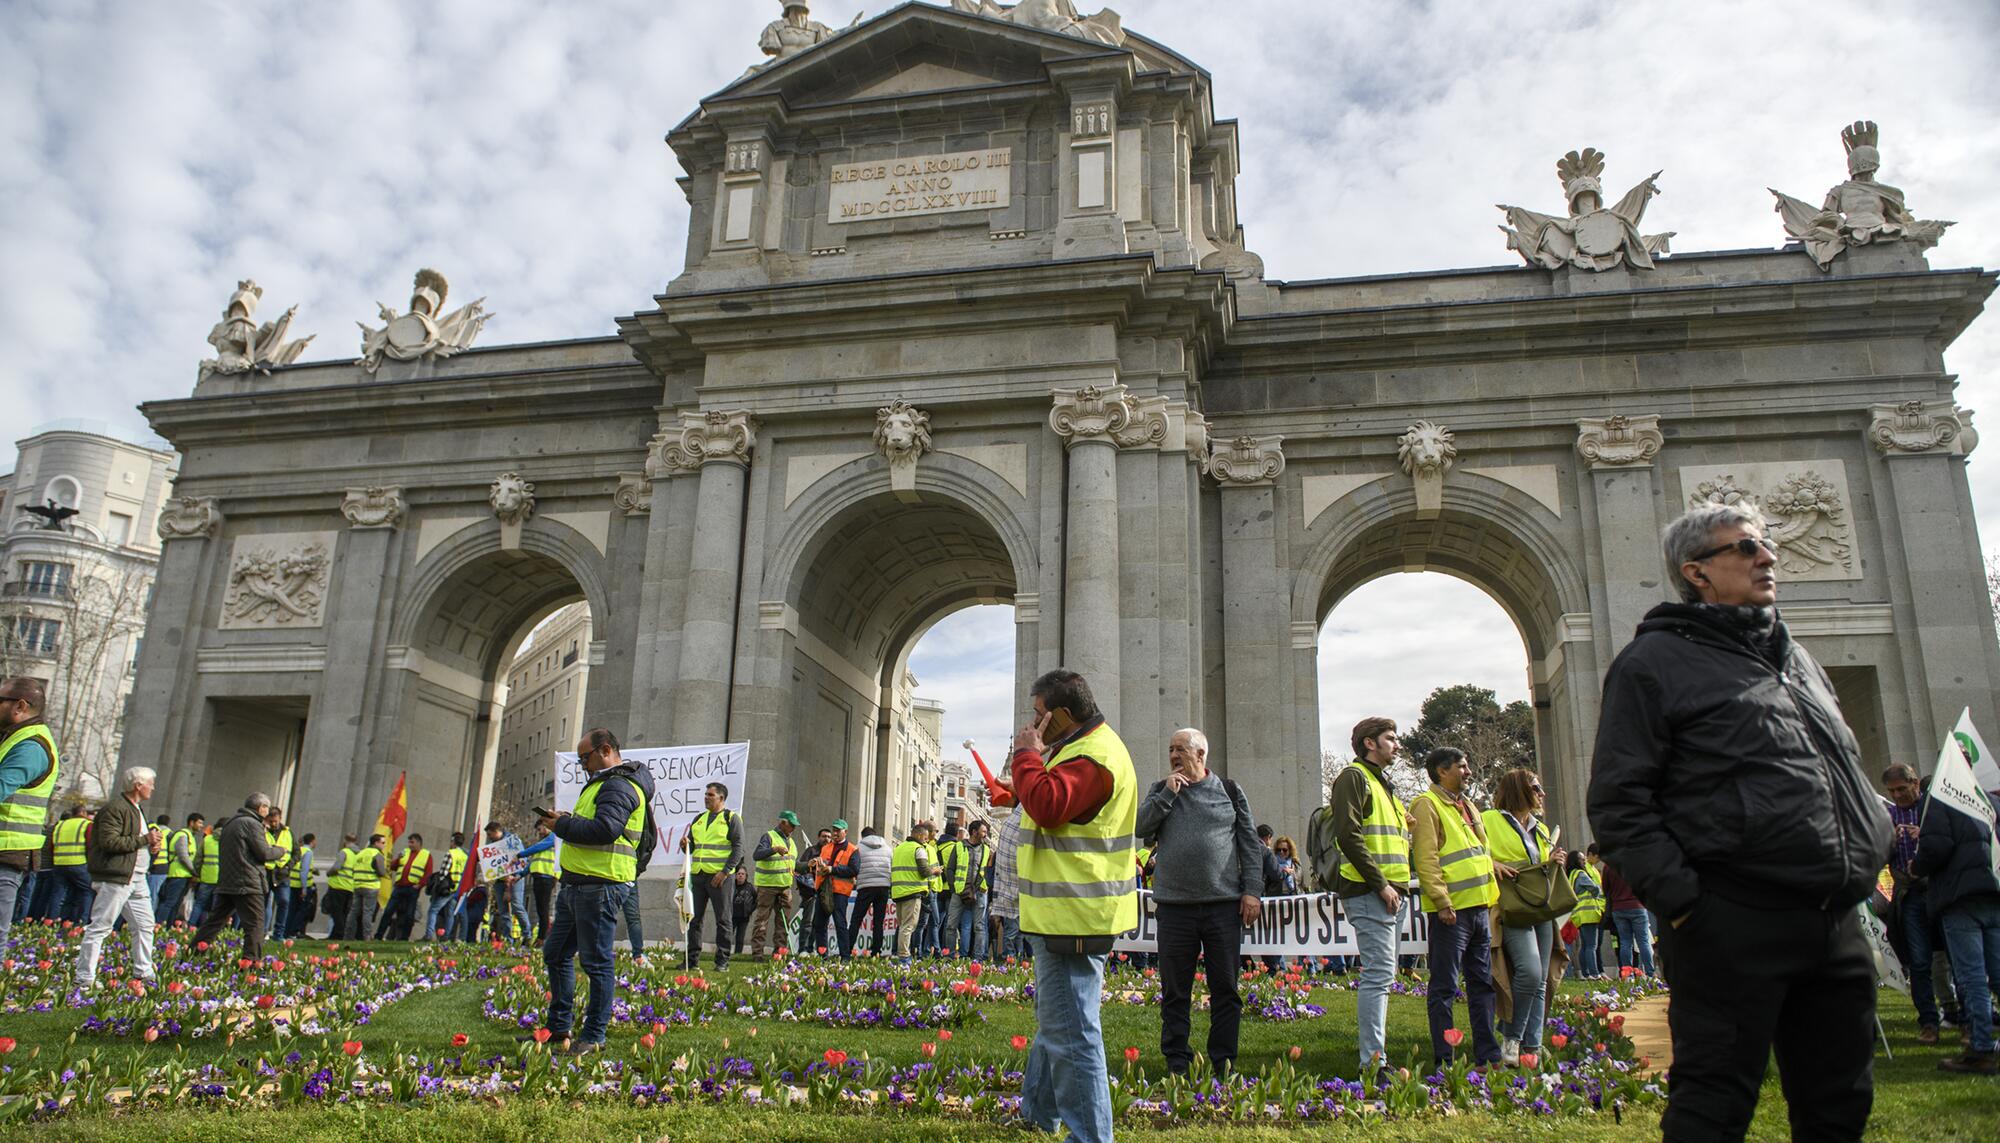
(1745, 547)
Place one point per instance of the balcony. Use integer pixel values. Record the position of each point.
(27, 589)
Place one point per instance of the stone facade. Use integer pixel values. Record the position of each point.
(1172, 467)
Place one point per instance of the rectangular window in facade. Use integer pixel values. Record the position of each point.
(40, 577)
(118, 529)
(37, 636)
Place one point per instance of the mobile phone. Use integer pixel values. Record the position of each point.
(542, 813)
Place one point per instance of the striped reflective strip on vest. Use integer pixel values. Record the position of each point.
(708, 842)
(211, 860)
(1467, 870)
(337, 877)
(1076, 879)
(283, 841)
(361, 868)
(69, 841)
(543, 863)
(24, 816)
(302, 872)
(175, 866)
(775, 871)
(906, 878)
(1385, 833)
(617, 861)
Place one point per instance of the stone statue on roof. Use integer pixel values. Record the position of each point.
(422, 333)
(1592, 237)
(1858, 211)
(1052, 16)
(792, 33)
(242, 345)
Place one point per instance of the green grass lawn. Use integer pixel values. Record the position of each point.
(1913, 1100)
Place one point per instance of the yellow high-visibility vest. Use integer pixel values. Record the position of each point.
(617, 861)
(1385, 833)
(708, 842)
(69, 835)
(1468, 870)
(1076, 879)
(24, 816)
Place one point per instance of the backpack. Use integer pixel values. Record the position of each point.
(441, 883)
(1321, 847)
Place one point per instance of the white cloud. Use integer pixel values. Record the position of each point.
(966, 662)
(151, 154)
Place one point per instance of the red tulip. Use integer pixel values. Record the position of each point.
(266, 1001)
(1645, 1061)
(944, 1033)
(460, 1040)
(1530, 1060)
(928, 1049)
(201, 946)
(1618, 1023)
(1597, 1047)
(541, 1035)
(351, 1047)
(835, 1057)
(152, 1034)
(1558, 1041)
(1296, 1052)
(660, 1028)
(1131, 1055)
(6, 1045)
(1454, 1037)
(1018, 1043)
(648, 1040)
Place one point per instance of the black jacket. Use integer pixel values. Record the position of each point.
(242, 848)
(1717, 771)
(1953, 854)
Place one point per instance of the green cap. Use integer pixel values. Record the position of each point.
(789, 816)
(840, 823)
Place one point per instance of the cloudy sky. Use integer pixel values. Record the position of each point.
(152, 152)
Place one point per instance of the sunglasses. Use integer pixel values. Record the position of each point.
(1746, 547)
(1534, 789)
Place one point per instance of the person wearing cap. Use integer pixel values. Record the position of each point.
(805, 881)
(773, 859)
(834, 862)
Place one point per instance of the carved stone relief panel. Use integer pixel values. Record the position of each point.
(1805, 506)
(278, 582)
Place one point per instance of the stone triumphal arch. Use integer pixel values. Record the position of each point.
(967, 316)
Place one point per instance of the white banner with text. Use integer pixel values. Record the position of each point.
(1308, 925)
(680, 774)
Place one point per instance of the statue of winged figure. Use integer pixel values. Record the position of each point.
(1591, 238)
(242, 345)
(1858, 211)
(1053, 16)
(421, 333)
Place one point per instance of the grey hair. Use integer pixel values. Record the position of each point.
(1694, 533)
(137, 776)
(1196, 739)
(257, 801)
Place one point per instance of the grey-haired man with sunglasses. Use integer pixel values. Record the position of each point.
(1727, 790)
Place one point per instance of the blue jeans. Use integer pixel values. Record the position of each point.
(586, 929)
(1465, 945)
(69, 894)
(12, 881)
(1011, 944)
(167, 903)
(843, 927)
(204, 893)
(965, 927)
(1066, 1081)
(1589, 958)
(442, 914)
(1635, 939)
(295, 917)
(278, 907)
(1375, 932)
(1972, 937)
(153, 881)
(1529, 948)
(633, 932)
(1913, 917)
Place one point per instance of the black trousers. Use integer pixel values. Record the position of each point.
(542, 891)
(722, 902)
(1749, 980)
(336, 909)
(1213, 934)
(247, 909)
(1462, 948)
(876, 898)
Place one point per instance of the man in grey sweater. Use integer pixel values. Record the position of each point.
(1208, 875)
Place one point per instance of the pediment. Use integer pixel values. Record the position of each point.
(912, 49)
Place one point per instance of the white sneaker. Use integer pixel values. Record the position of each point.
(1510, 1052)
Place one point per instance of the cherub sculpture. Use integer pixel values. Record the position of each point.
(421, 332)
(242, 345)
(1052, 16)
(1858, 211)
(1591, 238)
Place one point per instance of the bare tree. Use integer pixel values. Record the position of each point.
(96, 612)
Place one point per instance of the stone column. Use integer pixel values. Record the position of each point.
(164, 696)
(338, 774)
(720, 443)
(1091, 422)
(1943, 615)
(1620, 452)
(1257, 635)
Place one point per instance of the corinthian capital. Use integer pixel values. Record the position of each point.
(1915, 427)
(1247, 462)
(715, 436)
(1619, 441)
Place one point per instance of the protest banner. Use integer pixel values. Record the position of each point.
(501, 858)
(1953, 785)
(680, 773)
(1309, 925)
(1888, 968)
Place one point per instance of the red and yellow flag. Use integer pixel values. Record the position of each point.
(395, 817)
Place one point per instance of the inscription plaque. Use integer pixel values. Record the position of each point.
(918, 185)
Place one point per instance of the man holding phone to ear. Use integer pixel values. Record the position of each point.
(1080, 810)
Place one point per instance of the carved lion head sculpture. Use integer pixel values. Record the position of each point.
(513, 498)
(1426, 450)
(902, 432)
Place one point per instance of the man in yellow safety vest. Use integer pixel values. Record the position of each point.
(183, 854)
(367, 868)
(1075, 859)
(28, 769)
(776, 858)
(1373, 839)
(1448, 849)
(441, 916)
(714, 845)
(69, 892)
(409, 871)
